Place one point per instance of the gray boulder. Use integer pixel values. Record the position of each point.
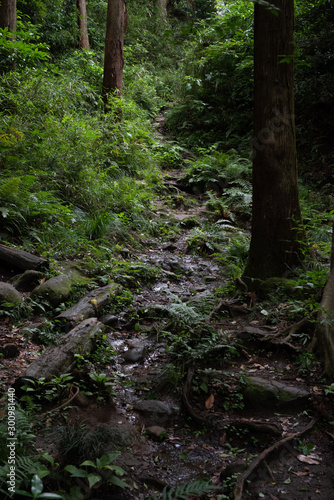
(55, 290)
(28, 280)
(9, 294)
(155, 412)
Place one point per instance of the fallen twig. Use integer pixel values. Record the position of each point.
(62, 405)
(239, 486)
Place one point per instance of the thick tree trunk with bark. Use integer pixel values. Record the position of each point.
(323, 339)
(82, 22)
(276, 239)
(113, 56)
(8, 14)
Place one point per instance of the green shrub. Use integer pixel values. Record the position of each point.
(23, 49)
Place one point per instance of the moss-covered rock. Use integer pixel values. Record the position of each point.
(9, 294)
(55, 290)
(261, 393)
(274, 285)
(28, 280)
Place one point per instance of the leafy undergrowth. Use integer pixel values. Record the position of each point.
(197, 344)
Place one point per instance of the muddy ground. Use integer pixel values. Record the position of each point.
(177, 419)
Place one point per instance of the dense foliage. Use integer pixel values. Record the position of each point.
(78, 183)
(72, 174)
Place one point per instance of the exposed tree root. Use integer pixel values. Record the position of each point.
(229, 306)
(296, 328)
(185, 397)
(243, 478)
(253, 425)
(64, 404)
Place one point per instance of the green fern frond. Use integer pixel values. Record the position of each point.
(185, 491)
(25, 467)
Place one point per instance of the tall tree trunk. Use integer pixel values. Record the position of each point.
(113, 55)
(276, 240)
(8, 14)
(82, 22)
(162, 7)
(323, 338)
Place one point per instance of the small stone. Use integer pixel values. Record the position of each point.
(155, 411)
(260, 392)
(110, 320)
(169, 247)
(55, 290)
(134, 355)
(155, 431)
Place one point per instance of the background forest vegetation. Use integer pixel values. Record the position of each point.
(71, 174)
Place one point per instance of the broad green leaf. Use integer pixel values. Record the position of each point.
(118, 470)
(75, 472)
(50, 495)
(88, 462)
(36, 486)
(108, 458)
(118, 482)
(93, 479)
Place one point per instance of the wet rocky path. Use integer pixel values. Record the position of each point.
(197, 393)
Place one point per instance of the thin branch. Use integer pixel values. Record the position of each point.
(64, 404)
(239, 487)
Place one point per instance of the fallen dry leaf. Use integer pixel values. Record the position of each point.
(222, 438)
(309, 459)
(206, 447)
(209, 402)
(300, 473)
(215, 480)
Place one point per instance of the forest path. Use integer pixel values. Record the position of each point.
(197, 392)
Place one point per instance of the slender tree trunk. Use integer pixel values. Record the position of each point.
(113, 55)
(8, 14)
(276, 240)
(82, 22)
(162, 7)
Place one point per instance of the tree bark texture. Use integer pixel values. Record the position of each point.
(276, 239)
(113, 54)
(91, 305)
(61, 359)
(82, 22)
(8, 14)
(19, 259)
